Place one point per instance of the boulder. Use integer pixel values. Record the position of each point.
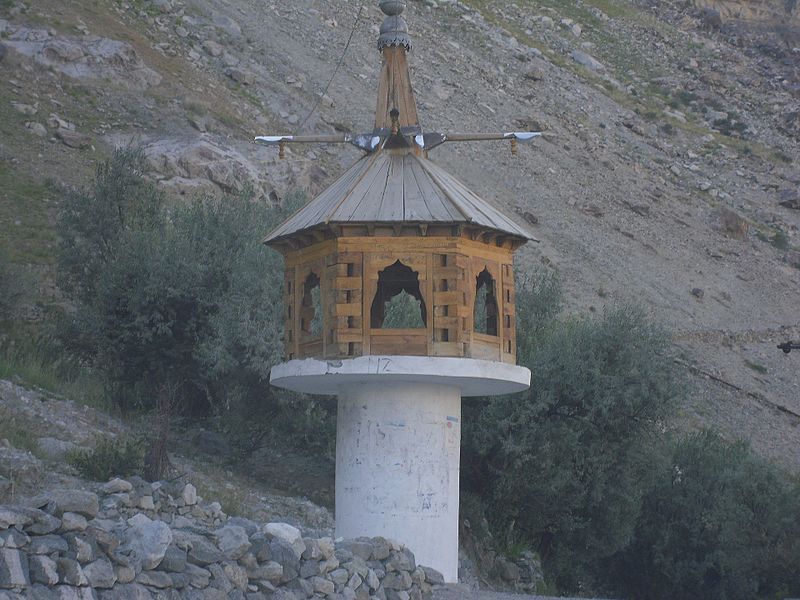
(433, 576)
(43, 523)
(73, 139)
(148, 542)
(132, 591)
(506, 570)
(732, 224)
(13, 538)
(156, 579)
(237, 575)
(117, 485)
(790, 199)
(43, 570)
(71, 521)
(48, 544)
(13, 516)
(712, 19)
(323, 586)
(14, 572)
(201, 551)
(100, 573)
(289, 534)
(71, 572)
(241, 76)
(174, 560)
(233, 541)
(81, 547)
(189, 495)
(197, 577)
(75, 501)
(587, 61)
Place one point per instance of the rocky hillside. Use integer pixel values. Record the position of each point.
(669, 174)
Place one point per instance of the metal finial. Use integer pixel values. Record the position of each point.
(394, 32)
(392, 8)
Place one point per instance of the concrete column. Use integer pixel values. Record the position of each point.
(397, 467)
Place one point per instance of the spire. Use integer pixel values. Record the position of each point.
(394, 88)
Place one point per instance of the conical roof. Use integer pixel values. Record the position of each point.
(390, 187)
(396, 183)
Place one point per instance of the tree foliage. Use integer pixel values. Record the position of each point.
(718, 523)
(584, 468)
(566, 463)
(185, 298)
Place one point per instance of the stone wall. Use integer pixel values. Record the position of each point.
(135, 540)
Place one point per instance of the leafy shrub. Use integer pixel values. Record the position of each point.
(718, 523)
(109, 458)
(780, 240)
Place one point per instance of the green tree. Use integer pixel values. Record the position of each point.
(92, 221)
(564, 465)
(719, 523)
(183, 304)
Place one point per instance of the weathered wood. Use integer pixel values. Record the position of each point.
(409, 345)
(347, 310)
(312, 253)
(447, 349)
(454, 297)
(347, 283)
(394, 90)
(386, 188)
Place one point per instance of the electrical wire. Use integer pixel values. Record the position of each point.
(335, 70)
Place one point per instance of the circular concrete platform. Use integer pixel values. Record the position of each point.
(473, 377)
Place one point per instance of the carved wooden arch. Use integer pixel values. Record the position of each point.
(491, 307)
(393, 279)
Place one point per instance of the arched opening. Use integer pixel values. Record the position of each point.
(485, 311)
(311, 307)
(398, 303)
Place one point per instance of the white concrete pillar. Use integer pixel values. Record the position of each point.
(397, 467)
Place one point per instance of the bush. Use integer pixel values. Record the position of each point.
(109, 458)
(718, 523)
(564, 465)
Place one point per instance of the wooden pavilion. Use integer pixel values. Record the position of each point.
(397, 223)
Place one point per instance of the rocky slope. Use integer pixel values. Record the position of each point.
(668, 176)
(209, 530)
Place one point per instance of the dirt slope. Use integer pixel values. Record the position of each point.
(669, 175)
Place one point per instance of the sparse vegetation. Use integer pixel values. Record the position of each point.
(17, 434)
(35, 361)
(756, 367)
(110, 457)
(28, 236)
(780, 240)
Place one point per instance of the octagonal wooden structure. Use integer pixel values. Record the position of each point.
(447, 262)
